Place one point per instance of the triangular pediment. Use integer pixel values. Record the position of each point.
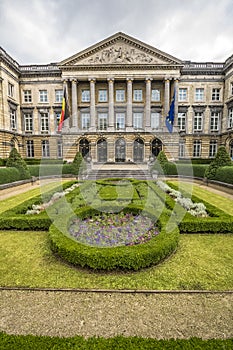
(120, 49)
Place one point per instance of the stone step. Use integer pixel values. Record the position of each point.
(119, 173)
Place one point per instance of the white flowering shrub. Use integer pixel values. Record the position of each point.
(195, 209)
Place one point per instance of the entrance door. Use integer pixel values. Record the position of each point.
(138, 150)
(156, 147)
(120, 150)
(102, 150)
(84, 147)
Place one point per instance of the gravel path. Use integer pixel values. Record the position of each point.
(155, 315)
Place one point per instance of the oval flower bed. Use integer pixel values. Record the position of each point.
(113, 230)
(133, 256)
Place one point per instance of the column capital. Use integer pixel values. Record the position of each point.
(74, 80)
(92, 80)
(167, 78)
(110, 80)
(129, 79)
(148, 79)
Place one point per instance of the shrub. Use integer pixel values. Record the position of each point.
(8, 175)
(47, 169)
(221, 159)
(224, 174)
(15, 160)
(78, 165)
(132, 257)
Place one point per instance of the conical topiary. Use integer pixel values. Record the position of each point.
(78, 164)
(221, 159)
(15, 160)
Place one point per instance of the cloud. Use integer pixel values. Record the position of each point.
(43, 31)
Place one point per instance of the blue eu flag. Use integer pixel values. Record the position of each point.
(171, 115)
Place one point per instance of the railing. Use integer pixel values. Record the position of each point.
(41, 67)
(207, 65)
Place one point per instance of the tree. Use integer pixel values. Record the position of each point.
(221, 159)
(15, 160)
(78, 165)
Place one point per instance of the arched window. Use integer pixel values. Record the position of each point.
(120, 148)
(84, 147)
(156, 147)
(138, 150)
(102, 150)
(231, 149)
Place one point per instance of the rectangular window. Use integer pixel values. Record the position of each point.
(230, 118)
(181, 121)
(85, 95)
(103, 96)
(137, 95)
(182, 96)
(199, 94)
(11, 89)
(43, 96)
(181, 149)
(197, 148)
(45, 149)
(27, 94)
(102, 121)
(137, 120)
(213, 148)
(85, 119)
(155, 95)
(155, 120)
(58, 96)
(214, 121)
(198, 119)
(215, 94)
(44, 122)
(120, 95)
(120, 121)
(13, 119)
(30, 148)
(28, 122)
(59, 149)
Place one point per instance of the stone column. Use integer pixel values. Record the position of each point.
(148, 103)
(74, 104)
(129, 108)
(111, 104)
(92, 105)
(176, 89)
(166, 96)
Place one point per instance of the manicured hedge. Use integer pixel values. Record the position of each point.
(15, 218)
(225, 174)
(30, 342)
(124, 257)
(8, 175)
(35, 161)
(48, 169)
(217, 222)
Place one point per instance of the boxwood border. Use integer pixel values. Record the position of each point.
(125, 257)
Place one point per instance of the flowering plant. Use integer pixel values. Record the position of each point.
(111, 230)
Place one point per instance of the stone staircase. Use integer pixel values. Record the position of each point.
(114, 170)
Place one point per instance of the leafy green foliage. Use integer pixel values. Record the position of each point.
(221, 159)
(15, 160)
(225, 174)
(78, 165)
(28, 342)
(8, 175)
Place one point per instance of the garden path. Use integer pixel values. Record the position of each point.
(107, 314)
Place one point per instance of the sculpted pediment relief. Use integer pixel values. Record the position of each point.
(120, 49)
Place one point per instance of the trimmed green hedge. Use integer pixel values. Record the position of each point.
(217, 222)
(8, 175)
(30, 342)
(48, 169)
(15, 218)
(124, 257)
(182, 169)
(225, 174)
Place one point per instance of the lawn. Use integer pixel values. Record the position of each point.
(201, 261)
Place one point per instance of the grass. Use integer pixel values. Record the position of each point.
(223, 203)
(13, 201)
(201, 262)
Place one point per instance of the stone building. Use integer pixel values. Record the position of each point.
(119, 93)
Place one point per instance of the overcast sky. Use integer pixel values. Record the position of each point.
(45, 31)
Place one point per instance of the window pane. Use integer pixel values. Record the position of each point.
(27, 96)
(103, 96)
(155, 120)
(137, 95)
(199, 94)
(28, 122)
(85, 121)
(155, 95)
(85, 95)
(43, 96)
(215, 94)
(30, 148)
(102, 121)
(58, 95)
(137, 120)
(182, 94)
(182, 121)
(120, 121)
(120, 95)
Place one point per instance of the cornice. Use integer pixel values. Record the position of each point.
(120, 67)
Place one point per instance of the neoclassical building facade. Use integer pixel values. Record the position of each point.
(119, 94)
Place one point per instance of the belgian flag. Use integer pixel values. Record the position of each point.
(65, 114)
